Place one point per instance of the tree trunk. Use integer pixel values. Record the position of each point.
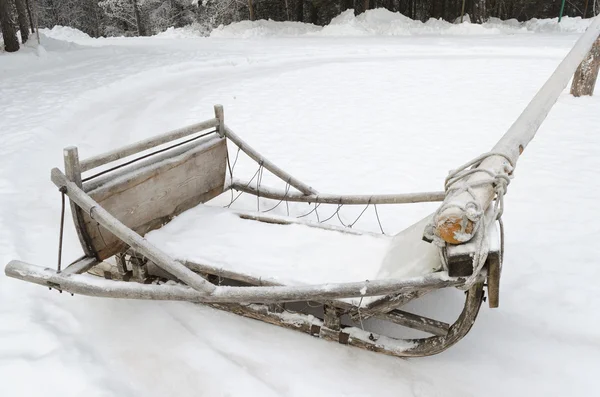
(11, 42)
(585, 76)
(30, 16)
(300, 11)
(477, 11)
(314, 12)
(138, 18)
(365, 5)
(443, 14)
(22, 17)
(251, 10)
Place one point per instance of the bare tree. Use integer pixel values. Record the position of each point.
(22, 18)
(31, 23)
(11, 42)
(138, 18)
(251, 10)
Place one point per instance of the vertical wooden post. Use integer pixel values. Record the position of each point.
(220, 115)
(73, 173)
(493, 281)
(586, 74)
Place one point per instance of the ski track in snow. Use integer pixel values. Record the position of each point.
(350, 115)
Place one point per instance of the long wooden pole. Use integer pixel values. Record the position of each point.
(512, 144)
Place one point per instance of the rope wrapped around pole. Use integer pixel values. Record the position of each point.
(469, 195)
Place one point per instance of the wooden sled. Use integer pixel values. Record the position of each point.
(115, 208)
(124, 219)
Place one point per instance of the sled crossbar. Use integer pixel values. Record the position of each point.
(357, 199)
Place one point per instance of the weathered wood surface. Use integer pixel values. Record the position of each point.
(220, 116)
(414, 321)
(356, 199)
(134, 240)
(390, 302)
(513, 142)
(146, 198)
(92, 286)
(254, 155)
(73, 173)
(297, 321)
(493, 280)
(586, 74)
(105, 158)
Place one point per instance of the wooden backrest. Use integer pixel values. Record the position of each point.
(147, 194)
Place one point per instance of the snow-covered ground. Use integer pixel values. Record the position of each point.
(367, 114)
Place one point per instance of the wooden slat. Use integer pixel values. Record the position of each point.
(147, 198)
(417, 322)
(390, 302)
(105, 158)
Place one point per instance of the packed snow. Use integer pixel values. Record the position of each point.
(369, 114)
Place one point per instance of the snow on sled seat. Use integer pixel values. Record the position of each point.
(293, 253)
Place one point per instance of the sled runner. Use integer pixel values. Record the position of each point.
(154, 227)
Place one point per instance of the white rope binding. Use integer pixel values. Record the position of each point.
(456, 183)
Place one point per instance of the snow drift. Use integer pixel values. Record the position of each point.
(381, 22)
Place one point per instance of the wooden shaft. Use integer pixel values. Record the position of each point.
(134, 240)
(357, 199)
(146, 144)
(254, 155)
(95, 286)
(514, 141)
